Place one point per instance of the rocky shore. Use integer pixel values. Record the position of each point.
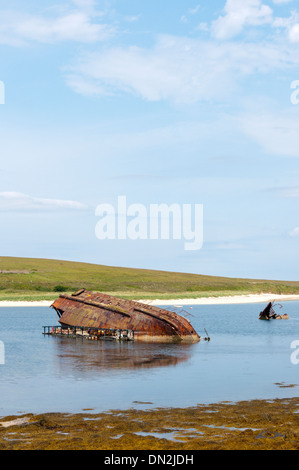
(254, 425)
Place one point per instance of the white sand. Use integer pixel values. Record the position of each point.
(236, 299)
(41, 303)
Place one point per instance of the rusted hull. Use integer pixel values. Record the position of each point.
(269, 314)
(150, 324)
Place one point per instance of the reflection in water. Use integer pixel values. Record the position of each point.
(76, 355)
(63, 374)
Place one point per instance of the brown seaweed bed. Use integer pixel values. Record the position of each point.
(256, 425)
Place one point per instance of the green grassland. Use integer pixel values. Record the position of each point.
(42, 279)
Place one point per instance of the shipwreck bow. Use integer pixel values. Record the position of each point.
(149, 323)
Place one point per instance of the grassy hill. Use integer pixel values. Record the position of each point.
(42, 279)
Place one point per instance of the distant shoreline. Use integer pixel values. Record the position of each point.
(236, 299)
(27, 303)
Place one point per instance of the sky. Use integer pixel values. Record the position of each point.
(173, 102)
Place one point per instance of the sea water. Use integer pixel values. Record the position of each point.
(245, 359)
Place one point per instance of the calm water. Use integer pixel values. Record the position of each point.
(245, 359)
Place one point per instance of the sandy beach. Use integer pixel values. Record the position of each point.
(237, 299)
(13, 303)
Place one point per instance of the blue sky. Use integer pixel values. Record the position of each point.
(172, 102)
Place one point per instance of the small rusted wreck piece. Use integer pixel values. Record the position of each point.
(269, 314)
(96, 310)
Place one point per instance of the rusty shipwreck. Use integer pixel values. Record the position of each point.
(85, 309)
(269, 313)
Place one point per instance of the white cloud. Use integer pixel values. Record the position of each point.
(280, 2)
(85, 3)
(286, 22)
(190, 12)
(85, 87)
(79, 25)
(294, 33)
(290, 24)
(132, 18)
(294, 232)
(14, 201)
(238, 15)
(277, 134)
(177, 69)
(290, 193)
(230, 246)
(194, 10)
(203, 26)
